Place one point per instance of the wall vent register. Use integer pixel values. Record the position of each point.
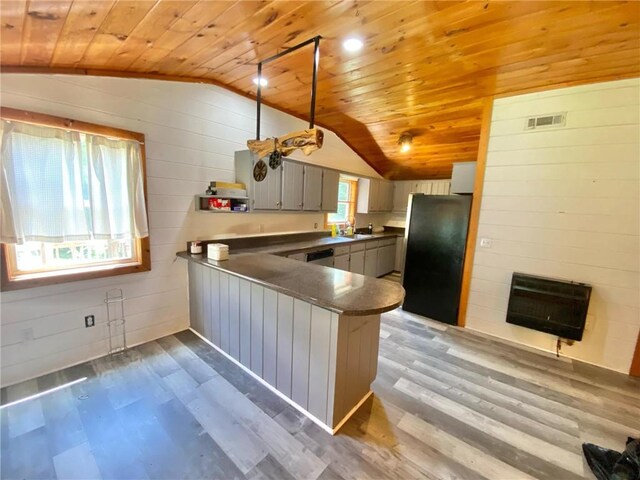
(552, 306)
(546, 121)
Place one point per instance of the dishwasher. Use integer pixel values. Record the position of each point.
(321, 257)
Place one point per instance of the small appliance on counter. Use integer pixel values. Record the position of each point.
(218, 251)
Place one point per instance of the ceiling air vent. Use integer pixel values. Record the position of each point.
(546, 121)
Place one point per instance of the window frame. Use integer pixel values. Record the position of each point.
(142, 245)
(352, 202)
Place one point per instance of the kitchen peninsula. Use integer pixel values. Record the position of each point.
(307, 331)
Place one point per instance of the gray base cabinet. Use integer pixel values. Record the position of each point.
(356, 265)
(341, 262)
(371, 262)
(323, 362)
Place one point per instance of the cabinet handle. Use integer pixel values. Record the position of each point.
(277, 204)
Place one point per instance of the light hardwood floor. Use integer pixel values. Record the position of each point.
(448, 404)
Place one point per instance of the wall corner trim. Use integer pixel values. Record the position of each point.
(474, 218)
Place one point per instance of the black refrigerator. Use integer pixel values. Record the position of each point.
(436, 237)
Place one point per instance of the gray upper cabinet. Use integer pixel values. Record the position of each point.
(292, 185)
(264, 195)
(268, 192)
(312, 196)
(463, 177)
(330, 182)
(374, 195)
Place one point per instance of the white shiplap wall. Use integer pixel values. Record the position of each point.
(565, 203)
(191, 133)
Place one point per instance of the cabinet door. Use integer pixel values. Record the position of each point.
(386, 260)
(386, 197)
(267, 193)
(292, 183)
(371, 262)
(399, 202)
(341, 262)
(389, 258)
(312, 196)
(356, 263)
(399, 254)
(330, 181)
(374, 195)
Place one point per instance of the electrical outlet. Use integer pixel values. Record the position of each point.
(89, 321)
(485, 242)
(315, 226)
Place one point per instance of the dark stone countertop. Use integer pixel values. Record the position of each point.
(289, 248)
(342, 292)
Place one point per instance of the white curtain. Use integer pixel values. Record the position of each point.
(41, 185)
(62, 186)
(116, 188)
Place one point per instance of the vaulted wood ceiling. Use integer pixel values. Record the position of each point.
(425, 66)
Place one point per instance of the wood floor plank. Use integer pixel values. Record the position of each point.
(240, 444)
(27, 416)
(506, 416)
(560, 457)
(77, 463)
(448, 404)
(471, 457)
(284, 448)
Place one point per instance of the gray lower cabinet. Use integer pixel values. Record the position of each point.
(399, 254)
(386, 259)
(330, 183)
(341, 262)
(312, 196)
(356, 263)
(322, 361)
(371, 262)
(292, 185)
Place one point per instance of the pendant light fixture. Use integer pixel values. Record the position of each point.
(405, 141)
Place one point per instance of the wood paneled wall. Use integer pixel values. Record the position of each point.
(191, 134)
(565, 203)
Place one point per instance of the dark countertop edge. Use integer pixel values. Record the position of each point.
(314, 301)
(283, 249)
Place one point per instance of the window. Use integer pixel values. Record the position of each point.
(73, 200)
(346, 212)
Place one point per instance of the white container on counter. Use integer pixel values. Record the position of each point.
(218, 251)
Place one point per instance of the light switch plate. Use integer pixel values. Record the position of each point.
(485, 242)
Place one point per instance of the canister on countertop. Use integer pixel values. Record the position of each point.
(218, 251)
(195, 247)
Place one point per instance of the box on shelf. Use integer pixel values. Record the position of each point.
(231, 192)
(220, 204)
(238, 185)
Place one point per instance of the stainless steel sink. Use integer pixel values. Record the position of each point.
(363, 235)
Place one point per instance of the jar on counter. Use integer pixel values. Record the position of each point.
(195, 247)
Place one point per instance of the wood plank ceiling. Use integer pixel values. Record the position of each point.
(425, 66)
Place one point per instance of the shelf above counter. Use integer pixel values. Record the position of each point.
(202, 203)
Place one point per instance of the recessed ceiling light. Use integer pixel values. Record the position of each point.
(263, 81)
(352, 44)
